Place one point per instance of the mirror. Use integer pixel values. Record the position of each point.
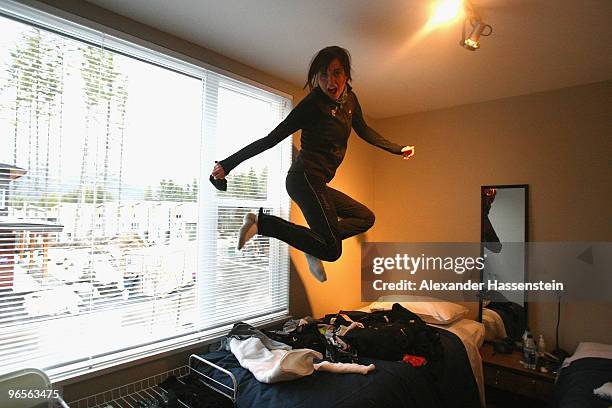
(503, 236)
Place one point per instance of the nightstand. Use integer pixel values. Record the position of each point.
(505, 376)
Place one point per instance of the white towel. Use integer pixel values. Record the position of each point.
(270, 366)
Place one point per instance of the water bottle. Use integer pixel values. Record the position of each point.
(541, 345)
(529, 352)
(525, 334)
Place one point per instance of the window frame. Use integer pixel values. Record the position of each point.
(51, 19)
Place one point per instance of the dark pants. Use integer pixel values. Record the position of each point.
(331, 215)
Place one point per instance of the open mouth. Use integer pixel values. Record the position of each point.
(332, 91)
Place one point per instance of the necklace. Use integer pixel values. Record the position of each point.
(339, 102)
(342, 99)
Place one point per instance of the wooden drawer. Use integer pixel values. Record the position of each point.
(544, 389)
(517, 383)
(509, 381)
(504, 374)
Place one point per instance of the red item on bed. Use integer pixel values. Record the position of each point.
(415, 361)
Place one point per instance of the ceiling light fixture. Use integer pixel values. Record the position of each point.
(444, 11)
(479, 29)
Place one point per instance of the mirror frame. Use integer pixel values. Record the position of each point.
(482, 190)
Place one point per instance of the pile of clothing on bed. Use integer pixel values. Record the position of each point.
(333, 343)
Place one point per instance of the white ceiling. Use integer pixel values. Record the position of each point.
(537, 45)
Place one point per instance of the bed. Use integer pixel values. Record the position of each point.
(455, 380)
(589, 368)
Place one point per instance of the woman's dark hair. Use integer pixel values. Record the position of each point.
(321, 61)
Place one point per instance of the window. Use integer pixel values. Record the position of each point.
(113, 243)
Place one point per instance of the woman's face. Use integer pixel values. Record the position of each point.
(333, 80)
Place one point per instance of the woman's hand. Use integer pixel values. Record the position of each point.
(218, 171)
(408, 152)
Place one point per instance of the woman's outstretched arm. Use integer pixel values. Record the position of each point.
(292, 123)
(370, 135)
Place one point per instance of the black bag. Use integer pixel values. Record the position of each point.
(388, 335)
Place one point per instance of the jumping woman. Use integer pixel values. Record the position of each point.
(325, 116)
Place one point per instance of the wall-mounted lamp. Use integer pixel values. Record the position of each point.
(479, 29)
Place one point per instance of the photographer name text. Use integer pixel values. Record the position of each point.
(469, 285)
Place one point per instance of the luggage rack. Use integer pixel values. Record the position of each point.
(138, 399)
(146, 392)
(224, 388)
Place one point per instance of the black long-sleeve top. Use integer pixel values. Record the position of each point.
(326, 127)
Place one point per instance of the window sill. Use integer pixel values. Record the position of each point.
(198, 342)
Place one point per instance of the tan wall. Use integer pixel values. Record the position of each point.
(557, 142)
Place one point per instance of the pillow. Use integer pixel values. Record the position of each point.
(431, 310)
(605, 391)
(588, 349)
